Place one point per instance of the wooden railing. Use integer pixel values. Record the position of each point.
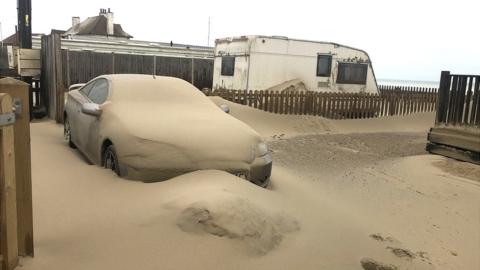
(394, 101)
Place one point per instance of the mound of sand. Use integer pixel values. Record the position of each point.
(294, 85)
(271, 124)
(235, 217)
(219, 204)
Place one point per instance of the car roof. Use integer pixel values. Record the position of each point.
(146, 88)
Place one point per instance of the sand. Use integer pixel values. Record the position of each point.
(354, 194)
(270, 124)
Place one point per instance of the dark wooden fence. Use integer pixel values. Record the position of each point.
(457, 125)
(390, 101)
(52, 92)
(82, 66)
(62, 68)
(459, 100)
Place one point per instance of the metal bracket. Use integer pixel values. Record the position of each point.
(17, 107)
(7, 119)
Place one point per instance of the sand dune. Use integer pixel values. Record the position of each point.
(270, 124)
(338, 200)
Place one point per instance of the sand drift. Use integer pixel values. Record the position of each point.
(365, 200)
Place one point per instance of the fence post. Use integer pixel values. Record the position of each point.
(8, 206)
(442, 99)
(113, 62)
(193, 72)
(68, 67)
(59, 85)
(19, 91)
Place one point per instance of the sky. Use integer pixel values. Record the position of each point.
(407, 39)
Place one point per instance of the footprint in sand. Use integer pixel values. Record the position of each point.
(381, 238)
(402, 253)
(371, 264)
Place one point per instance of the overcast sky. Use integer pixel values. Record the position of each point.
(406, 39)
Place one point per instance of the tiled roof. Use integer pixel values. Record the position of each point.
(96, 26)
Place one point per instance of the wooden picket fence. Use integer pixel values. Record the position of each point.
(391, 101)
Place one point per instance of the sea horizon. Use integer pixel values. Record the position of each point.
(415, 83)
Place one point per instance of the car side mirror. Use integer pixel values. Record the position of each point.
(91, 109)
(225, 108)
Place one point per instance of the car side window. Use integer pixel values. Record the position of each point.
(87, 88)
(99, 92)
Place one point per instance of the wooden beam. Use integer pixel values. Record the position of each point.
(8, 204)
(460, 137)
(451, 152)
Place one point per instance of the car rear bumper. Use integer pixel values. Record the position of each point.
(261, 170)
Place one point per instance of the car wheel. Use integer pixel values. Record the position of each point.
(67, 133)
(110, 159)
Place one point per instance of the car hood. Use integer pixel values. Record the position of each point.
(180, 136)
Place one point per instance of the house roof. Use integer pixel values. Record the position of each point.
(13, 39)
(96, 26)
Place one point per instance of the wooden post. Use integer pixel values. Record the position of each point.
(154, 65)
(60, 87)
(442, 101)
(475, 116)
(468, 98)
(68, 68)
(193, 72)
(8, 201)
(19, 91)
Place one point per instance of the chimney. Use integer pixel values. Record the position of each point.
(109, 23)
(75, 21)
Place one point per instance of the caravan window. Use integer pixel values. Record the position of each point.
(228, 65)
(324, 65)
(351, 73)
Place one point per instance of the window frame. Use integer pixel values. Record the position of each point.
(88, 85)
(363, 82)
(93, 87)
(330, 58)
(223, 71)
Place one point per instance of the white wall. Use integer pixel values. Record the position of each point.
(276, 60)
(239, 49)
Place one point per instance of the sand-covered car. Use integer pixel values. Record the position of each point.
(152, 128)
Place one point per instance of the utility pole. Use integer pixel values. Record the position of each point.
(24, 14)
(25, 23)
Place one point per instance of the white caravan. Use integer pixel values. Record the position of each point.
(263, 62)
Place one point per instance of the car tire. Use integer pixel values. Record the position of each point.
(67, 133)
(110, 160)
